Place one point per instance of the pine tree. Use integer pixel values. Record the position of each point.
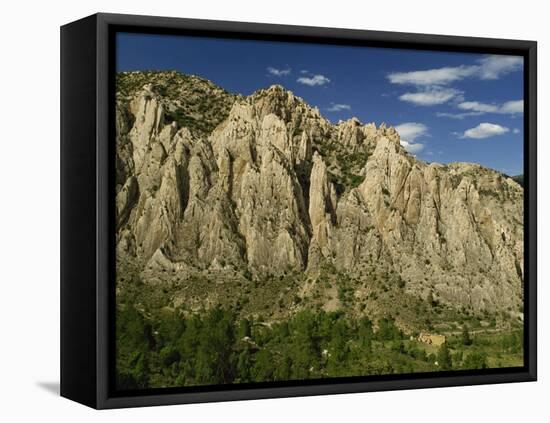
(466, 338)
(444, 358)
(244, 329)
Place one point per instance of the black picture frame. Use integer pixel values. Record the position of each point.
(87, 246)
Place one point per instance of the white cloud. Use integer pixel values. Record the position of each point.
(409, 132)
(457, 115)
(478, 107)
(433, 85)
(441, 76)
(516, 131)
(512, 107)
(431, 96)
(488, 67)
(509, 107)
(412, 147)
(335, 107)
(493, 67)
(434, 88)
(485, 130)
(279, 72)
(313, 80)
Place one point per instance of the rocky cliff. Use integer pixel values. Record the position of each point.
(254, 189)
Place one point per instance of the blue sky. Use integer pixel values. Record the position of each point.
(446, 106)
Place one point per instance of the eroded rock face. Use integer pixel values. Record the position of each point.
(322, 211)
(263, 193)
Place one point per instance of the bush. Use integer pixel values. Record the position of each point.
(475, 360)
(444, 358)
(387, 331)
(466, 338)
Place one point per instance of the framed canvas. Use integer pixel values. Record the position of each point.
(257, 211)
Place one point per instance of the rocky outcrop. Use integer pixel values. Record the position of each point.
(269, 190)
(322, 211)
(353, 134)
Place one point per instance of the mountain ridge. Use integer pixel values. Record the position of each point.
(248, 190)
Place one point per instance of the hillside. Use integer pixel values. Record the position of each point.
(265, 208)
(276, 189)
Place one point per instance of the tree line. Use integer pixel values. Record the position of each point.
(215, 347)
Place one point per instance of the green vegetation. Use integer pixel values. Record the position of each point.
(444, 358)
(192, 123)
(519, 179)
(188, 100)
(476, 360)
(231, 324)
(490, 193)
(466, 338)
(269, 328)
(345, 166)
(215, 347)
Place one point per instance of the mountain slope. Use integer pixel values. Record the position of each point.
(266, 206)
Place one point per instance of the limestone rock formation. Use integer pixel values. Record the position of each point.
(322, 210)
(266, 185)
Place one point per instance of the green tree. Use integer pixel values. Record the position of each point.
(134, 374)
(475, 360)
(244, 329)
(169, 355)
(444, 358)
(133, 332)
(168, 327)
(304, 349)
(134, 342)
(213, 361)
(388, 331)
(263, 366)
(466, 338)
(365, 332)
(283, 330)
(243, 366)
(187, 345)
(398, 346)
(337, 347)
(283, 370)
